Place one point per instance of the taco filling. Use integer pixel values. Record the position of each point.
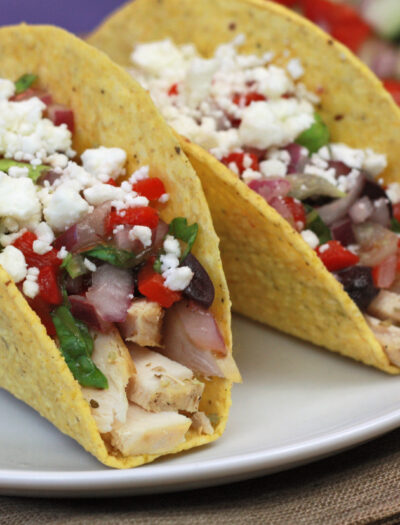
(95, 261)
(258, 119)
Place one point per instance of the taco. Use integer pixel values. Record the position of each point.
(115, 321)
(295, 143)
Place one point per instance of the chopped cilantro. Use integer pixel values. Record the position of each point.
(180, 229)
(317, 225)
(24, 82)
(34, 172)
(395, 225)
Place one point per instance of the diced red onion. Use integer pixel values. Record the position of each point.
(342, 231)
(74, 286)
(376, 242)
(298, 159)
(386, 272)
(270, 188)
(110, 292)
(49, 176)
(361, 210)
(337, 209)
(60, 114)
(122, 240)
(283, 209)
(158, 235)
(339, 167)
(191, 337)
(86, 312)
(381, 212)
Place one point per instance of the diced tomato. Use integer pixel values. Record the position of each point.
(393, 86)
(25, 243)
(173, 90)
(144, 216)
(42, 309)
(45, 97)
(151, 285)
(335, 256)
(238, 159)
(396, 211)
(247, 98)
(49, 290)
(151, 188)
(384, 273)
(297, 210)
(340, 20)
(111, 182)
(60, 114)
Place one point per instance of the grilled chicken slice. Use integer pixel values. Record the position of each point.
(143, 323)
(386, 305)
(149, 433)
(162, 384)
(111, 356)
(388, 336)
(201, 423)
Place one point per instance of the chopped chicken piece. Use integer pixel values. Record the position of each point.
(143, 323)
(111, 356)
(149, 433)
(386, 305)
(388, 336)
(201, 423)
(162, 384)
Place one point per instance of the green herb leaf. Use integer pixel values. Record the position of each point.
(74, 265)
(180, 229)
(157, 266)
(76, 345)
(317, 225)
(111, 255)
(395, 225)
(24, 82)
(314, 137)
(34, 172)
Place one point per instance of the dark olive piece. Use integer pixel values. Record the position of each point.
(201, 288)
(358, 283)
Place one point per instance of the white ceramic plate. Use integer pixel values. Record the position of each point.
(297, 403)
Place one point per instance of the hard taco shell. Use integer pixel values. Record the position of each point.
(110, 109)
(273, 275)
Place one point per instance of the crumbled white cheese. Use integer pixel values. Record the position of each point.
(393, 192)
(44, 233)
(295, 68)
(30, 288)
(177, 279)
(310, 238)
(249, 175)
(104, 163)
(62, 253)
(374, 163)
(13, 261)
(18, 199)
(168, 262)
(142, 233)
(7, 88)
(89, 265)
(324, 247)
(18, 171)
(41, 247)
(273, 168)
(164, 198)
(100, 193)
(66, 207)
(140, 174)
(171, 245)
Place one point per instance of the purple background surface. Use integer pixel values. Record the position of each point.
(78, 16)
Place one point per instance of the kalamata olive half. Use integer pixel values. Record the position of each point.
(374, 191)
(201, 288)
(358, 283)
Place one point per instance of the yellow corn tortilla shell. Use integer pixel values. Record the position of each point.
(273, 275)
(110, 109)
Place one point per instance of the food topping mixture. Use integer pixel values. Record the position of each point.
(91, 254)
(255, 116)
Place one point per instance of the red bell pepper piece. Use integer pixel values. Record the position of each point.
(25, 243)
(144, 216)
(173, 90)
(247, 98)
(151, 188)
(296, 208)
(335, 256)
(393, 86)
(238, 159)
(49, 290)
(151, 285)
(42, 309)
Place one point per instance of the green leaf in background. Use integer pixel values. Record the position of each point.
(180, 229)
(24, 82)
(157, 265)
(317, 225)
(314, 137)
(395, 225)
(111, 255)
(34, 172)
(76, 345)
